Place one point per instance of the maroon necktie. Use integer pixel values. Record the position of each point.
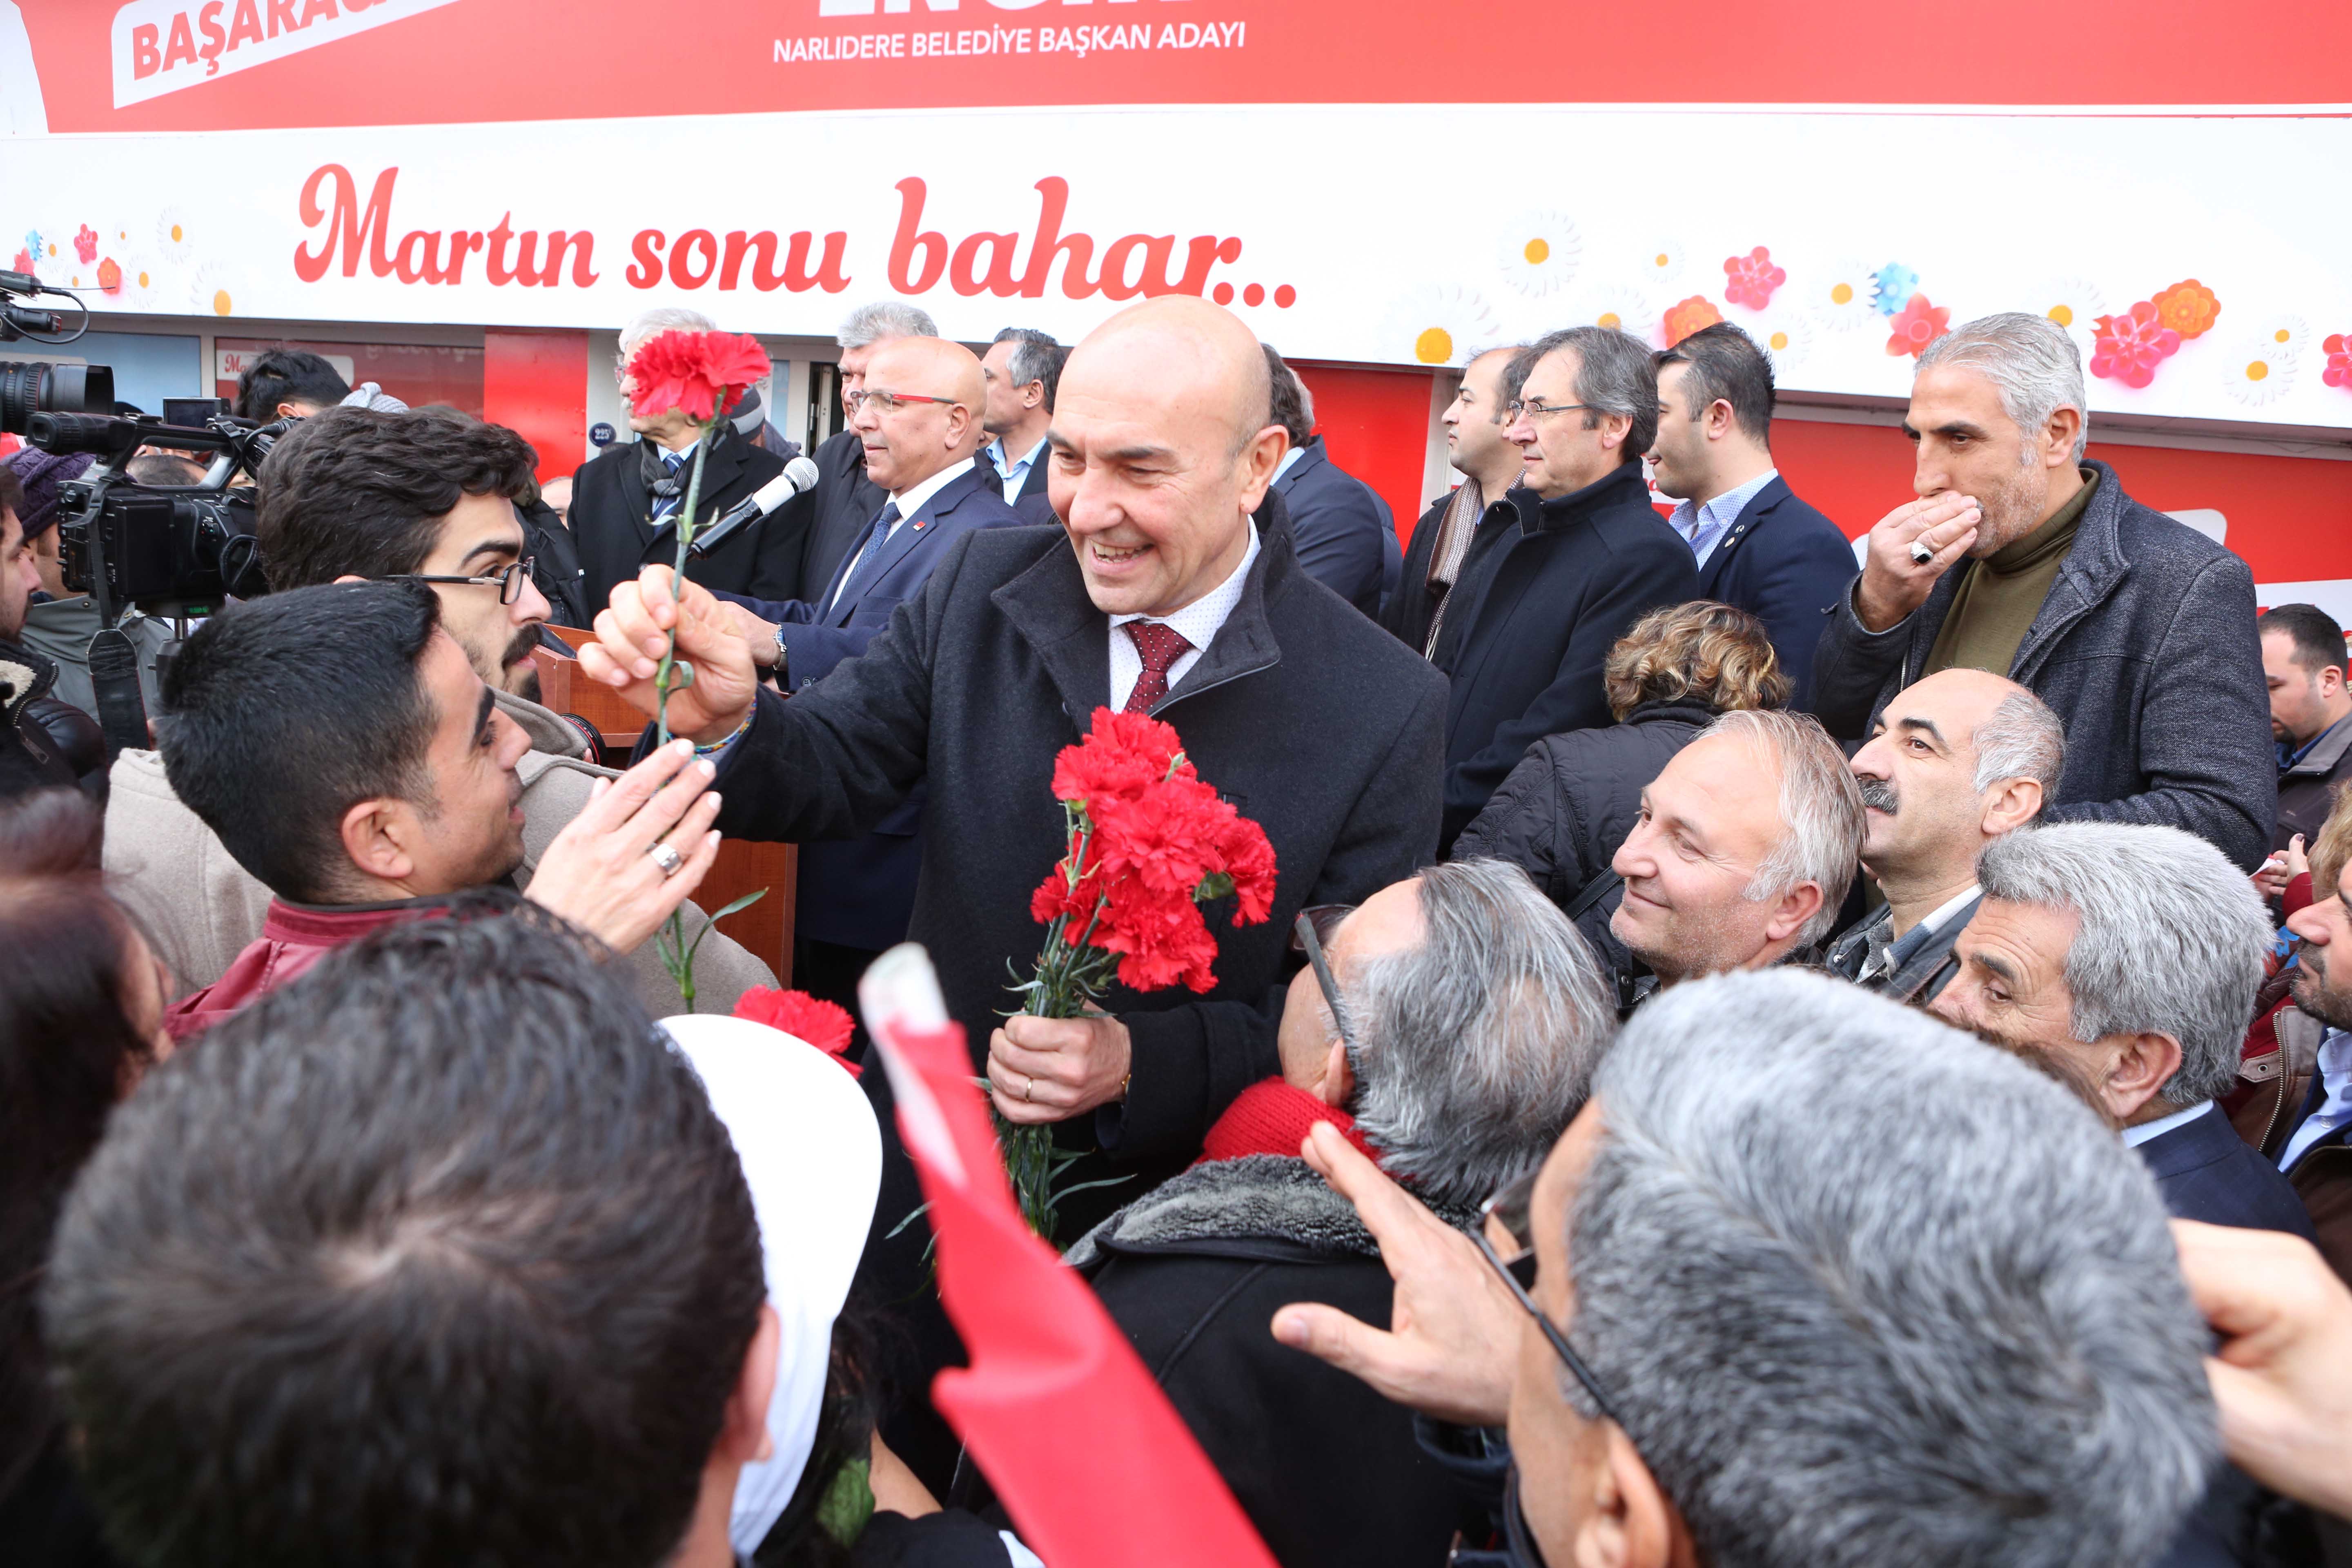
(1159, 646)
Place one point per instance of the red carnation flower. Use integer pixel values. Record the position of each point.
(1248, 855)
(1120, 757)
(698, 373)
(825, 1025)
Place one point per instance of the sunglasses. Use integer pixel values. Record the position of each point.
(1508, 1211)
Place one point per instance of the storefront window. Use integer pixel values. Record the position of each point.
(416, 373)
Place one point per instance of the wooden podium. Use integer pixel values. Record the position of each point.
(743, 866)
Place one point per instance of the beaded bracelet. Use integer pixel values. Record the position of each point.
(722, 745)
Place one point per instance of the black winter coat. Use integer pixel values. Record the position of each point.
(1547, 589)
(43, 744)
(611, 530)
(1328, 1471)
(1413, 606)
(2145, 650)
(1569, 805)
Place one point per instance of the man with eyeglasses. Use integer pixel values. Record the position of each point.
(918, 423)
(1741, 1316)
(427, 495)
(1449, 1027)
(1559, 567)
(827, 522)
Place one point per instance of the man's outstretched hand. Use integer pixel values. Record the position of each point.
(600, 872)
(631, 633)
(1453, 1329)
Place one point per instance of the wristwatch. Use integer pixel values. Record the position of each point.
(783, 668)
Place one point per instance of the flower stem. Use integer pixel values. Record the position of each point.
(676, 956)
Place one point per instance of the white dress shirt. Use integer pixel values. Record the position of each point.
(2335, 1072)
(911, 501)
(1014, 475)
(2136, 1136)
(1703, 526)
(1197, 623)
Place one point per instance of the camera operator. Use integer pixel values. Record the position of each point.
(59, 623)
(427, 494)
(44, 743)
(295, 383)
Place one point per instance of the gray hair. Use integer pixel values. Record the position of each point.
(2029, 359)
(2021, 740)
(1036, 356)
(660, 319)
(1475, 1048)
(1821, 811)
(871, 323)
(2170, 938)
(1840, 1339)
(1614, 375)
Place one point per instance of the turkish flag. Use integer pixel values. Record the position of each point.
(1086, 1454)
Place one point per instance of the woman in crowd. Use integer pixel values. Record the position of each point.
(81, 1010)
(1565, 809)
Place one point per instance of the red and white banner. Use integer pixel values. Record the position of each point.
(1842, 180)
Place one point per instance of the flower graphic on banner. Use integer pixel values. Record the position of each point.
(1891, 287)
(1784, 333)
(2129, 347)
(1751, 279)
(2188, 308)
(1442, 323)
(1661, 262)
(1689, 315)
(138, 280)
(2289, 333)
(2337, 347)
(1539, 252)
(2072, 303)
(85, 243)
(1620, 309)
(1841, 296)
(21, 262)
(110, 276)
(172, 236)
(2259, 371)
(215, 289)
(1916, 325)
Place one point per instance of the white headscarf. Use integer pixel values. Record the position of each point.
(812, 1156)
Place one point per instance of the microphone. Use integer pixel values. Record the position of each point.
(799, 475)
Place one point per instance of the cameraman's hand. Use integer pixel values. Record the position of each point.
(631, 633)
(1892, 584)
(600, 872)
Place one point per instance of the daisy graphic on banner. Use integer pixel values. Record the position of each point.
(2259, 371)
(1046, 1360)
(1443, 324)
(1843, 295)
(1620, 309)
(1539, 252)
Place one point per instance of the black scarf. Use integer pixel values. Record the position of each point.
(662, 485)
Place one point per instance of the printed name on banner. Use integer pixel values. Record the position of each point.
(1000, 41)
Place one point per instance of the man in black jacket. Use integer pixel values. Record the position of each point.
(1552, 580)
(1758, 546)
(1312, 721)
(1474, 1017)
(1344, 532)
(2303, 663)
(2026, 559)
(1489, 465)
(625, 500)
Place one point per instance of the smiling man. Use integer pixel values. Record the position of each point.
(1172, 589)
(2023, 557)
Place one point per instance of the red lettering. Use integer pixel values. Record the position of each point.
(646, 270)
(244, 27)
(494, 263)
(318, 10)
(282, 17)
(216, 40)
(347, 226)
(763, 247)
(1000, 279)
(1205, 250)
(415, 258)
(829, 273)
(1156, 249)
(1053, 198)
(933, 243)
(146, 54)
(583, 247)
(462, 242)
(693, 239)
(181, 45)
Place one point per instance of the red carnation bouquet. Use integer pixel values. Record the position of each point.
(1149, 844)
(827, 1026)
(702, 375)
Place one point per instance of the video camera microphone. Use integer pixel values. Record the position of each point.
(799, 475)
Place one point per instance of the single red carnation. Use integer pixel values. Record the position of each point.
(825, 1025)
(1248, 855)
(700, 373)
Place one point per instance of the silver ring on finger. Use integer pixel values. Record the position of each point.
(670, 861)
(1920, 552)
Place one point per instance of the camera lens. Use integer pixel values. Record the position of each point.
(28, 387)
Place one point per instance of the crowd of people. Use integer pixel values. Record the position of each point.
(1764, 1052)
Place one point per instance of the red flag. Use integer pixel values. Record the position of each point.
(1093, 1463)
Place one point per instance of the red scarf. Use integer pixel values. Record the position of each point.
(1273, 1118)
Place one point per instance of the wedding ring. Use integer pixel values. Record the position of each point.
(1027, 1084)
(667, 859)
(1920, 552)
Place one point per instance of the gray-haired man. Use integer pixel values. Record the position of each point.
(1958, 760)
(1470, 1016)
(1021, 369)
(2025, 558)
(827, 522)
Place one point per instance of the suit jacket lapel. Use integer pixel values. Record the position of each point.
(1048, 607)
(1034, 483)
(1751, 516)
(638, 497)
(904, 539)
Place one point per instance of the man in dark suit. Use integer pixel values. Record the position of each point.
(1559, 567)
(626, 500)
(1489, 465)
(1161, 593)
(857, 894)
(1346, 536)
(1758, 547)
(1021, 369)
